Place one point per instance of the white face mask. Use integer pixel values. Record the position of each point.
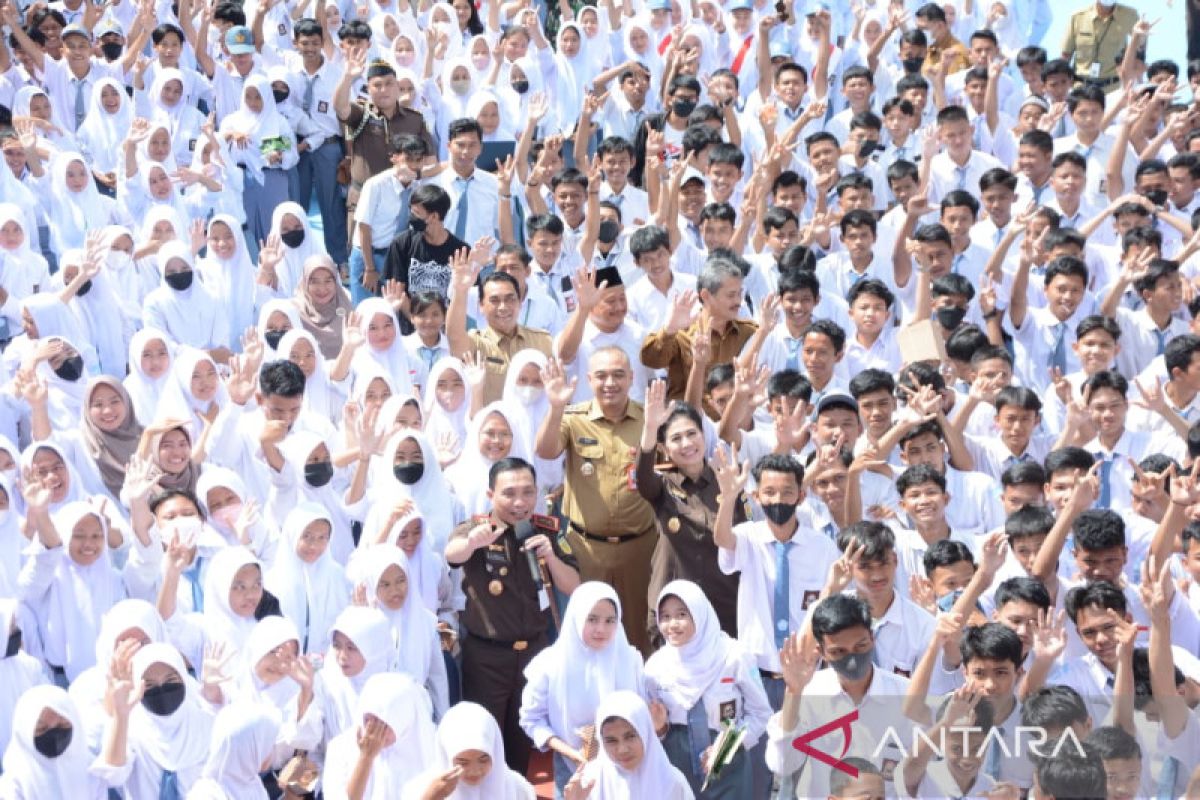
(460, 87)
(186, 529)
(528, 395)
(118, 260)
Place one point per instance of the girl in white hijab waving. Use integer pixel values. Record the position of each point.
(470, 761)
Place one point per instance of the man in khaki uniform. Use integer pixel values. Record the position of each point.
(499, 303)
(611, 528)
(1094, 37)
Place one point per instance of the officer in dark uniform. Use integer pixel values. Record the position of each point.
(504, 557)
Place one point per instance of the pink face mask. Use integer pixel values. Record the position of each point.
(228, 515)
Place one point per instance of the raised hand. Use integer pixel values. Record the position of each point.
(732, 475)
(249, 516)
(656, 410)
(920, 590)
(141, 477)
(559, 390)
(352, 335)
(35, 491)
(683, 311)
(474, 369)
(1049, 635)
(371, 737)
(798, 663)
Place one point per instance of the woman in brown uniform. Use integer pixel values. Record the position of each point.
(683, 493)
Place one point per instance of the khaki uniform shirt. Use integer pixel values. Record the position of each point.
(1093, 40)
(674, 351)
(498, 350)
(600, 494)
(956, 51)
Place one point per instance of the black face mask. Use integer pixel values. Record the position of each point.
(408, 472)
(779, 513)
(294, 238)
(54, 742)
(609, 231)
(1156, 196)
(280, 94)
(165, 699)
(416, 224)
(70, 369)
(318, 474)
(14, 644)
(950, 317)
(274, 338)
(520, 86)
(179, 281)
(683, 108)
(912, 64)
(112, 50)
(84, 288)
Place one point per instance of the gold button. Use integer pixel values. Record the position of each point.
(673, 525)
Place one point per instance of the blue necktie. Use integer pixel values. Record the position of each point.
(428, 355)
(781, 612)
(991, 763)
(1162, 340)
(977, 134)
(831, 531)
(1086, 152)
(192, 573)
(1166, 779)
(616, 199)
(80, 102)
(402, 217)
(961, 172)
(168, 788)
(793, 359)
(698, 736)
(1106, 465)
(1058, 358)
(1037, 193)
(958, 260)
(460, 225)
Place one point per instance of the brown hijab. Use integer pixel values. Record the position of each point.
(110, 450)
(183, 481)
(323, 321)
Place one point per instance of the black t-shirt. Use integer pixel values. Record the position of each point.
(419, 265)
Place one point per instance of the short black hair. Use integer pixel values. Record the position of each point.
(875, 538)
(499, 277)
(991, 641)
(1065, 458)
(1112, 742)
(1027, 522)
(1098, 595)
(1054, 706)
(789, 383)
(1098, 322)
(945, 553)
(159, 498)
(647, 239)
(872, 380)
(873, 287)
(779, 462)
(1023, 472)
(548, 223)
(281, 379)
(829, 328)
(918, 475)
(1072, 775)
(837, 613)
(458, 127)
(1020, 396)
(1099, 529)
(1022, 588)
(509, 464)
(433, 199)
(1106, 379)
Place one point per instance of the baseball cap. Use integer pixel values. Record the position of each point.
(109, 25)
(75, 29)
(779, 50)
(659, 5)
(239, 41)
(693, 174)
(837, 399)
(817, 7)
(740, 5)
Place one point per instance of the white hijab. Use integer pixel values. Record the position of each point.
(266, 124)
(549, 471)
(18, 672)
(28, 773)
(144, 391)
(100, 312)
(469, 726)
(178, 742)
(654, 777)
(425, 566)
(21, 269)
(73, 213)
(193, 316)
(413, 625)
(75, 487)
(439, 421)
(580, 676)
(321, 396)
(221, 624)
(79, 596)
(269, 309)
(12, 541)
(296, 449)
(129, 283)
(469, 474)
(431, 493)
(177, 400)
(231, 281)
(64, 398)
(393, 360)
(291, 269)
(243, 737)
(268, 635)
(684, 673)
(310, 595)
(371, 633)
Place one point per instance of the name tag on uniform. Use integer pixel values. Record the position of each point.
(282, 29)
(192, 144)
(584, 441)
(494, 360)
(907, 673)
(322, 107)
(729, 710)
(677, 493)
(810, 596)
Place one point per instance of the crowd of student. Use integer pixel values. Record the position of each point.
(823, 375)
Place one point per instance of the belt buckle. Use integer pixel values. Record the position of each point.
(521, 646)
(613, 539)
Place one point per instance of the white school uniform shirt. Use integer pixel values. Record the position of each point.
(1141, 419)
(838, 275)
(633, 202)
(945, 176)
(483, 203)
(1091, 679)
(938, 782)
(651, 308)
(628, 337)
(618, 118)
(901, 635)
(809, 560)
(1028, 193)
(320, 114)
(975, 504)
(1184, 748)
(992, 456)
(1140, 338)
(881, 723)
(1132, 445)
(883, 353)
(1096, 155)
(383, 200)
(1034, 344)
(60, 85)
